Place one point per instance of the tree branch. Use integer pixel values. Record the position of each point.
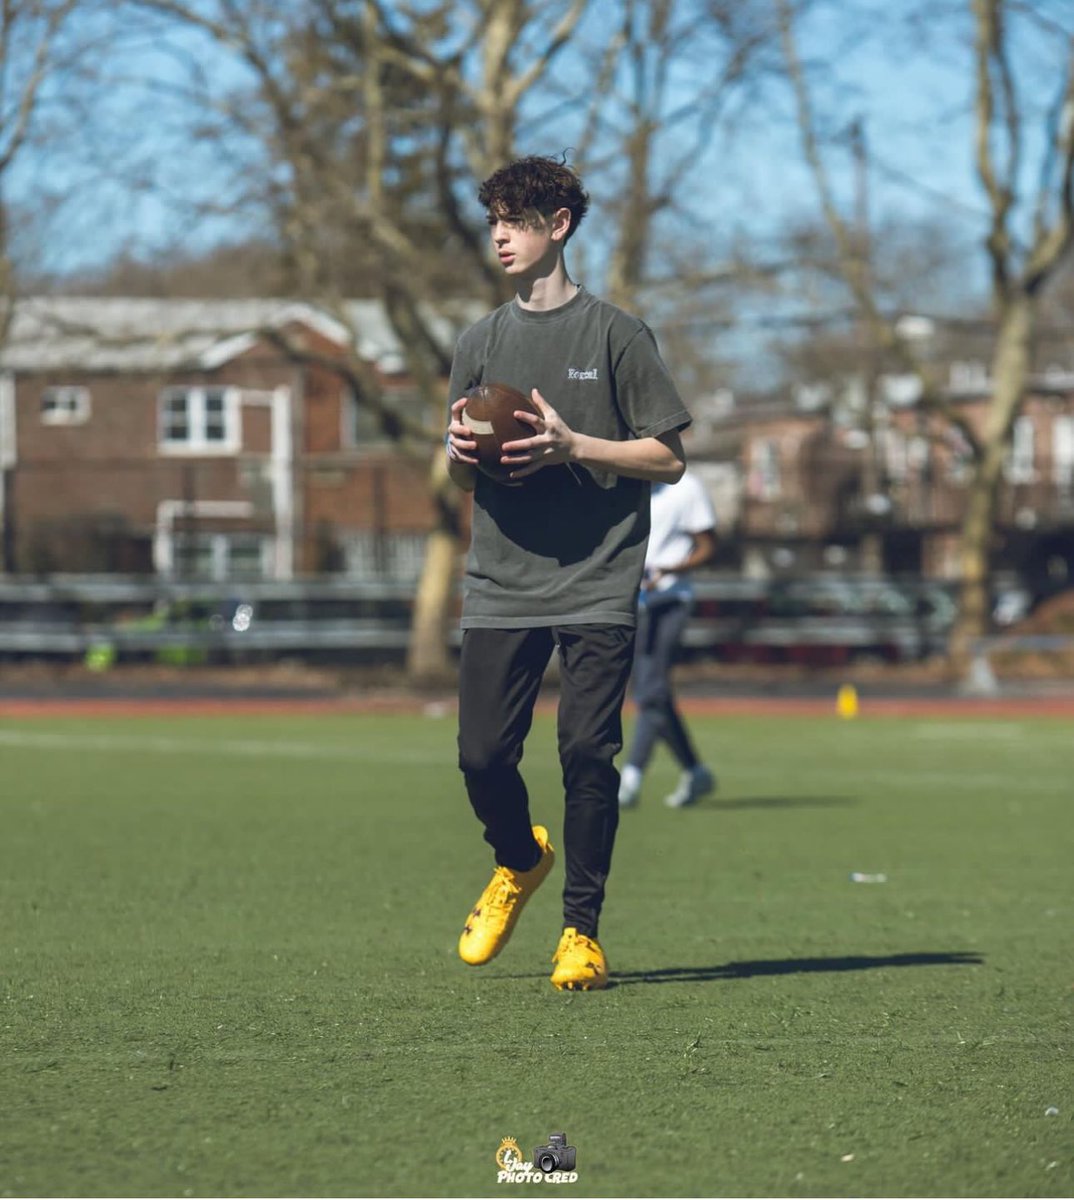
(1051, 244)
(853, 267)
(559, 37)
(1000, 198)
(20, 126)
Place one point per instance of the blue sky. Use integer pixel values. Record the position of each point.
(914, 102)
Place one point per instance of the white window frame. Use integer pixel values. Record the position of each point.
(403, 555)
(348, 421)
(404, 400)
(197, 442)
(766, 474)
(896, 454)
(1063, 450)
(72, 405)
(220, 547)
(1021, 459)
(960, 457)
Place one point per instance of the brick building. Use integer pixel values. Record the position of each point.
(178, 438)
(822, 472)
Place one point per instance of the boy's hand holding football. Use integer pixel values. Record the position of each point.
(553, 441)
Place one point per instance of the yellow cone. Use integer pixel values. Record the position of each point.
(846, 701)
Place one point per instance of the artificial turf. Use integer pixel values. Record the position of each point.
(227, 966)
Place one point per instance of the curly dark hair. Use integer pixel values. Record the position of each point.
(535, 184)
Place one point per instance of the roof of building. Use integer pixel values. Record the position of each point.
(88, 333)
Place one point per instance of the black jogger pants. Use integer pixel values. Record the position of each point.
(500, 674)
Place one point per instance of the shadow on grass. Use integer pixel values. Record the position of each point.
(793, 966)
(777, 802)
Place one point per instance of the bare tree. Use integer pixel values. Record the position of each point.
(679, 63)
(29, 33)
(371, 118)
(359, 129)
(1021, 263)
(481, 110)
(1020, 270)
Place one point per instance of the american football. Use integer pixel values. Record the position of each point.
(490, 416)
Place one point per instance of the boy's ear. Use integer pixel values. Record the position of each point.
(561, 224)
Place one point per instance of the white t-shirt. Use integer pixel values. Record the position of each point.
(678, 511)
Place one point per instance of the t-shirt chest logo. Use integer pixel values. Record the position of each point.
(578, 373)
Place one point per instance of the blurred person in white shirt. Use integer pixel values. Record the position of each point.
(683, 537)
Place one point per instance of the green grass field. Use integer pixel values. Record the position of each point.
(228, 966)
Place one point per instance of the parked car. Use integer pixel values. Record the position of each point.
(820, 621)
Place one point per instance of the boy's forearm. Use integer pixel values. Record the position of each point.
(649, 458)
(702, 551)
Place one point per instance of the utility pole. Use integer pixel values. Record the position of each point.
(873, 500)
(8, 459)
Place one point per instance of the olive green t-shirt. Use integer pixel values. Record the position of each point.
(568, 546)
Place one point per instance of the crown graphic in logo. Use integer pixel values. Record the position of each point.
(508, 1154)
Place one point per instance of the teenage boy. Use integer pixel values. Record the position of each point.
(555, 557)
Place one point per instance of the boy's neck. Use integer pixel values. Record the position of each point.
(546, 291)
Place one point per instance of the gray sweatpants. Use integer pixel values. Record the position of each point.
(660, 628)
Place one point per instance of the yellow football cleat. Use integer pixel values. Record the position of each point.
(488, 927)
(580, 964)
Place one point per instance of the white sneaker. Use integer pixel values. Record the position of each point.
(692, 786)
(629, 786)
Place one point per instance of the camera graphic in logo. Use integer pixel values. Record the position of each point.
(556, 1156)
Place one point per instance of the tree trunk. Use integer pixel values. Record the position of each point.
(428, 658)
(1010, 375)
(629, 253)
